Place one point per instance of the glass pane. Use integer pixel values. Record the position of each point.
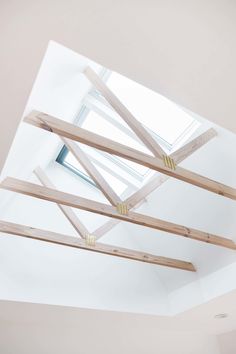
(95, 123)
(118, 186)
(71, 160)
(153, 110)
(142, 170)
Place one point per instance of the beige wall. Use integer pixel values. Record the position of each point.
(227, 343)
(44, 329)
(184, 49)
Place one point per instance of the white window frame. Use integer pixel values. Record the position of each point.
(94, 101)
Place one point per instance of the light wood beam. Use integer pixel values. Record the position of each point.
(124, 113)
(187, 149)
(108, 226)
(137, 198)
(52, 195)
(112, 171)
(67, 211)
(105, 228)
(69, 241)
(96, 176)
(179, 155)
(83, 136)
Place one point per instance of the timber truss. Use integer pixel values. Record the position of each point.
(117, 209)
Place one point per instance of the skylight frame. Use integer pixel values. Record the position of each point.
(96, 95)
(61, 159)
(89, 105)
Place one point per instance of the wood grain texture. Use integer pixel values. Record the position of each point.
(83, 136)
(192, 146)
(74, 201)
(96, 176)
(105, 228)
(137, 198)
(124, 113)
(179, 155)
(67, 211)
(69, 241)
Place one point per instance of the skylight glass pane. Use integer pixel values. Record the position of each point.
(118, 186)
(96, 123)
(142, 170)
(156, 112)
(167, 122)
(108, 163)
(72, 161)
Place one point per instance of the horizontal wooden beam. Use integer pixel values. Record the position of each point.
(92, 171)
(52, 195)
(179, 155)
(67, 211)
(108, 226)
(124, 113)
(83, 136)
(60, 239)
(137, 198)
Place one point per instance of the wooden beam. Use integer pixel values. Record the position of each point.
(143, 192)
(52, 195)
(83, 136)
(106, 227)
(124, 113)
(189, 148)
(137, 198)
(96, 176)
(67, 211)
(178, 156)
(109, 169)
(60, 239)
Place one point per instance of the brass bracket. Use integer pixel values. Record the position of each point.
(122, 208)
(169, 162)
(90, 240)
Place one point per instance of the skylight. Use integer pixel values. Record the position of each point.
(156, 112)
(167, 122)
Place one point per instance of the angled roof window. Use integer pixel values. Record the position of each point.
(167, 122)
(161, 116)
